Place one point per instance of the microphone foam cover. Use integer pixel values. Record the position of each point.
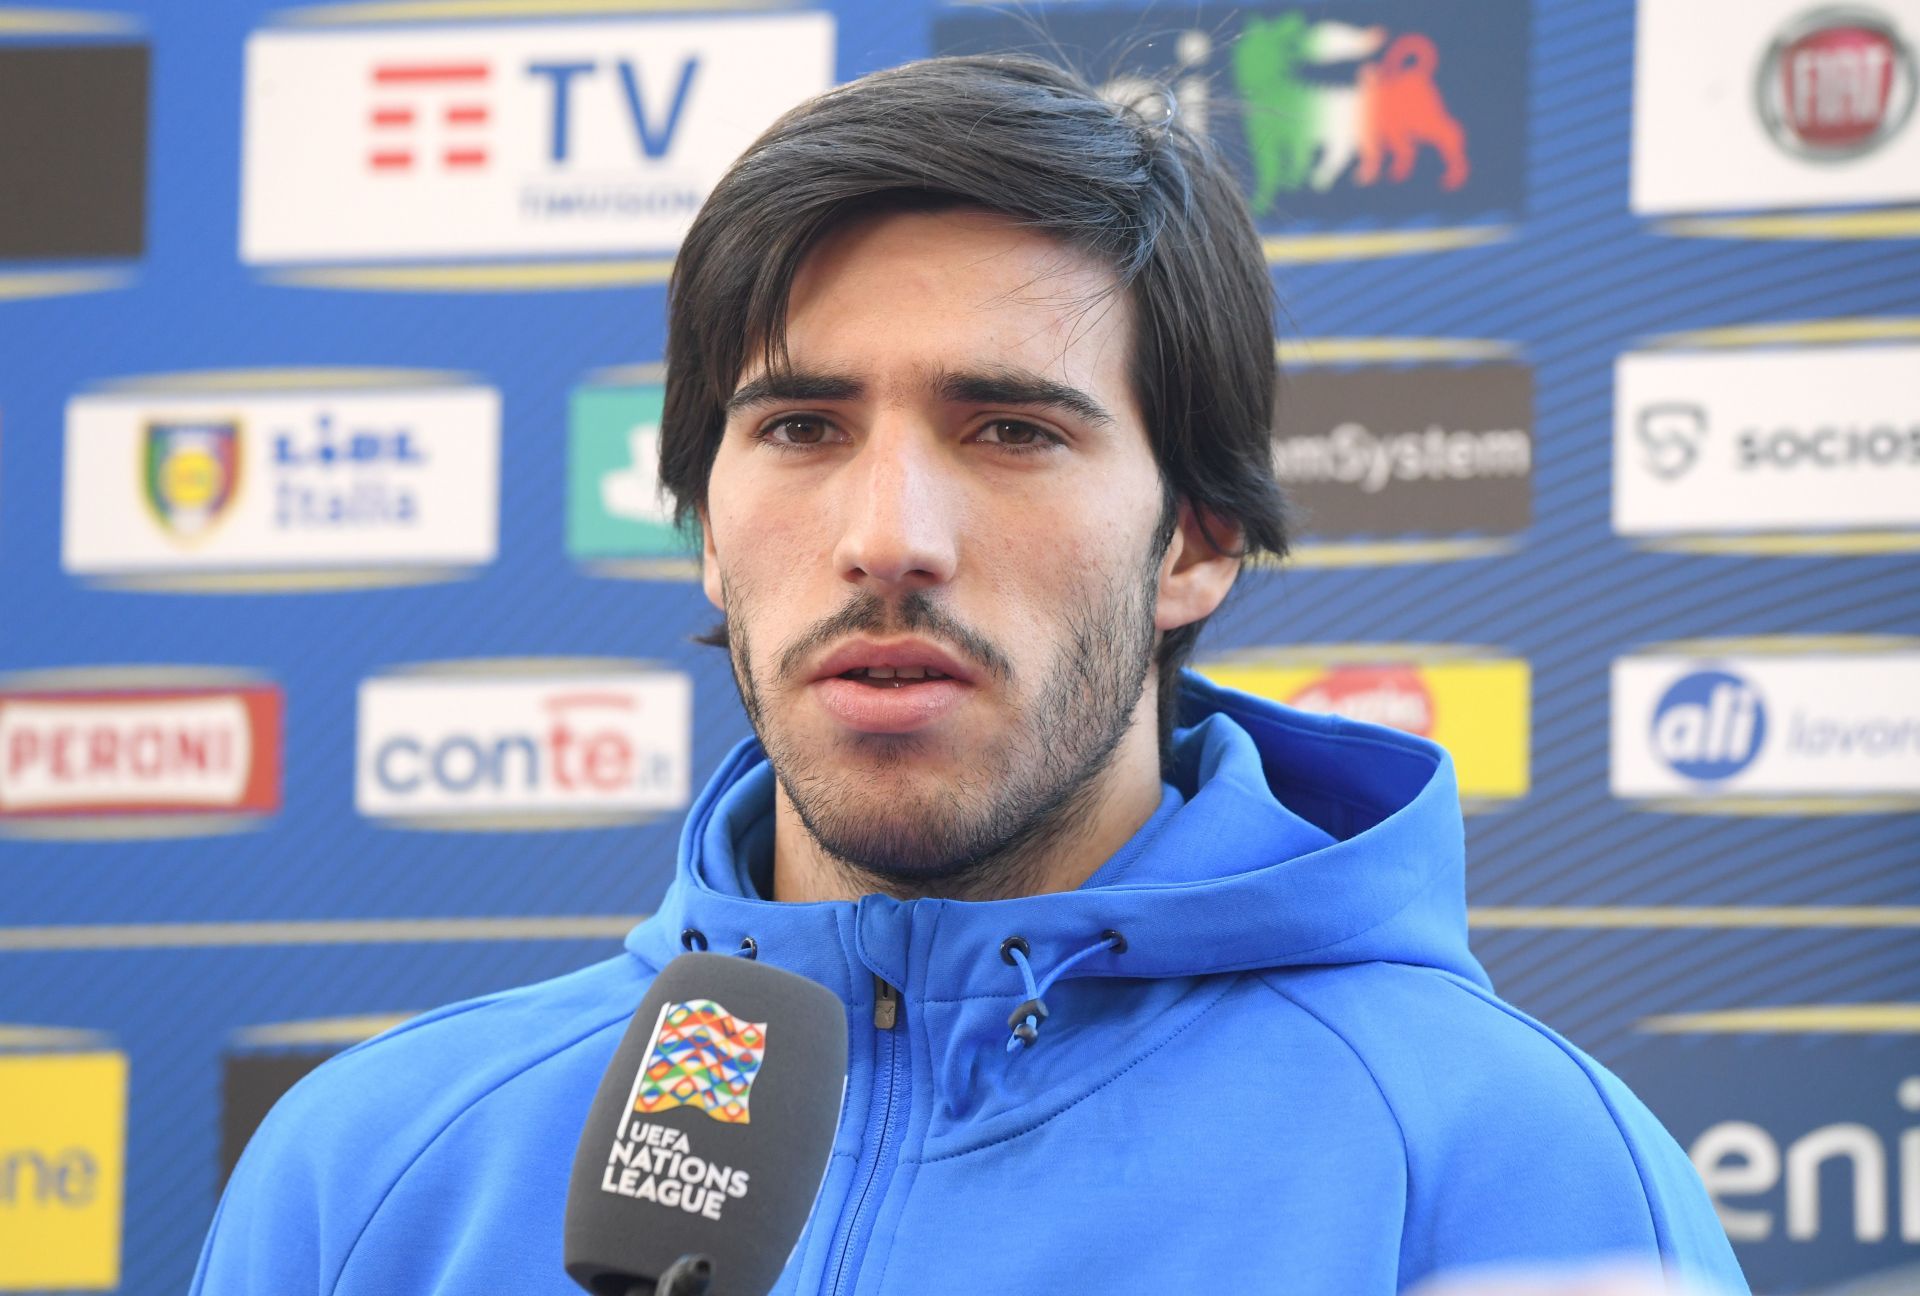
(711, 1130)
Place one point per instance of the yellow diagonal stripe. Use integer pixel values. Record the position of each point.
(1677, 916)
(320, 1030)
(535, 276)
(1301, 248)
(374, 11)
(60, 283)
(1857, 328)
(1387, 350)
(1899, 222)
(1802, 1019)
(62, 22)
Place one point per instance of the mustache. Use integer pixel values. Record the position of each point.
(868, 613)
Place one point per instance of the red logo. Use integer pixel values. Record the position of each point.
(1836, 84)
(428, 115)
(140, 751)
(1394, 696)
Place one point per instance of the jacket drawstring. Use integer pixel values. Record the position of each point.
(1025, 1020)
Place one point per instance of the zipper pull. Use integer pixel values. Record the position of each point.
(886, 1004)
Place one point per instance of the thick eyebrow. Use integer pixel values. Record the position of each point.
(793, 385)
(1020, 387)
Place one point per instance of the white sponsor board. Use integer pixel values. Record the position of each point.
(1744, 104)
(1813, 724)
(613, 744)
(213, 482)
(521, 139)
(1769, 439)
(178, 751)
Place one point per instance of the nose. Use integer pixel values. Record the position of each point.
(898, 513)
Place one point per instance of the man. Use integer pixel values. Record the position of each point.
(1152, 987)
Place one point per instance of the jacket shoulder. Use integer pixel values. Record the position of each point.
(1520, 1147)
(336, 1145)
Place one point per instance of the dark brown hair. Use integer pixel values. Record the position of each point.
(1013, 134)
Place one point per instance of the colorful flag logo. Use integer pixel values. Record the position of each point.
(703, 1057)
(1308, 131)
(191, 470)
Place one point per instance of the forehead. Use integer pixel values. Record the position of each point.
(897, 295)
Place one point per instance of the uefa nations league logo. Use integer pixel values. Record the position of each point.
(1709, 725)
(702, 1057)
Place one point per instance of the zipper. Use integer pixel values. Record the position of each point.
(887, 1069)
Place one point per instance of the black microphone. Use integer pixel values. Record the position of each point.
(709, 1138)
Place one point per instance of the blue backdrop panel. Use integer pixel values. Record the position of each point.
(1440, 183)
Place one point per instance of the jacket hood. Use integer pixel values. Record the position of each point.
(1303, 839)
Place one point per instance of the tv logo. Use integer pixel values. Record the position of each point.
(543, 744)
(1709, 725)
(540, 139)
(417, 103)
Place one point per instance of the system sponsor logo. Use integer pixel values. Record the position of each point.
(73, 133)
(1750, 104)
(533, 743)
(701, 1056)
(1746, 726)
(1429, 451)
(161, 484)
(1477, 707)
(1768, 440)
(525, 139)
(619, 520)
(141, 746)
(1806, 1136)
(62, 1169)
(1355, 109)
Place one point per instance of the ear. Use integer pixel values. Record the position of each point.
(709, 562)
(1201, 563)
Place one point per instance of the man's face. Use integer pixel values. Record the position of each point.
(938, 542)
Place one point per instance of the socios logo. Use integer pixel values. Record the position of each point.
(1709, 725)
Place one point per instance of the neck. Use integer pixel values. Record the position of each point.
(1056, 854)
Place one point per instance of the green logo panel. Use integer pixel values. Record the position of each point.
(615, 506)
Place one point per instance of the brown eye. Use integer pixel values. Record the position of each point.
(1016, 434)
(797, 431)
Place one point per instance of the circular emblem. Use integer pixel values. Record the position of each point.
(1836, 83)
(1709, 725)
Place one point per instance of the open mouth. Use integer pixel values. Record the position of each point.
(892, 676)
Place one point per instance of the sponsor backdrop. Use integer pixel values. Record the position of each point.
(345, 657)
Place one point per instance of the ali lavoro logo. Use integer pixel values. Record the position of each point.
(1836, 84)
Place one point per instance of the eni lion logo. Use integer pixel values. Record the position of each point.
(1307, 128)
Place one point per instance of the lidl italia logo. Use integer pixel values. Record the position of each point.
(702, 1057)
(62, 1161)
(1477, 707)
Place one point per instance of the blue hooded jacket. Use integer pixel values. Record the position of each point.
(1294, 1077)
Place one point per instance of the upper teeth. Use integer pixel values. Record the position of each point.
(900, 672)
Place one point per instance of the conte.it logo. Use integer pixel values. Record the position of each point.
(1835, 84)
(1709, 725)
(702, 1057)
